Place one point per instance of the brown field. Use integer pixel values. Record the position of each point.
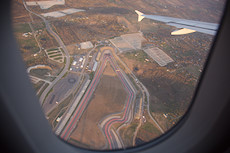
(193, 10)
(47, 41)
(19, 13)
(88, 3)
(208, 11)
(73, 50)
(28, 47)
(123, 21)
(127, 133)
(104, 19)
(93, 28)
(148, 130)
(109, 98)
(169, 92)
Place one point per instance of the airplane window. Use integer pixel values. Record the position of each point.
(114, 74)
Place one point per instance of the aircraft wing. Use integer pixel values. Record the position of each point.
(188, 26)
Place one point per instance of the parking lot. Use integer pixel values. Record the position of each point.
(60, 91)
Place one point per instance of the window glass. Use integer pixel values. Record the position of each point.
(112, 74)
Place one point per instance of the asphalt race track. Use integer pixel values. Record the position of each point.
(111, 136)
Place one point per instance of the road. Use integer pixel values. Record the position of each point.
(62, 45)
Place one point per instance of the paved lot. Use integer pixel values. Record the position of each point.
(128, 42)
(159, 56)
(60, 90)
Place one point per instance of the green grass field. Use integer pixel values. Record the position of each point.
(58, 58)
(51, 53)
(52, 49)
(55, 55)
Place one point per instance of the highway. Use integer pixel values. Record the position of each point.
(62, 45)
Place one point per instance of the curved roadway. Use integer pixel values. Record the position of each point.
(111, 136)
(107, 127)
(62, 45)
(127, 114)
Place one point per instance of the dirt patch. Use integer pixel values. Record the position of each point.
(74, 50)
(108, 98)
(123, 21)
(109, 72)
(127, 134)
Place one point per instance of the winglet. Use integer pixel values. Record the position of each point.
(140, 15)
(182, 31)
